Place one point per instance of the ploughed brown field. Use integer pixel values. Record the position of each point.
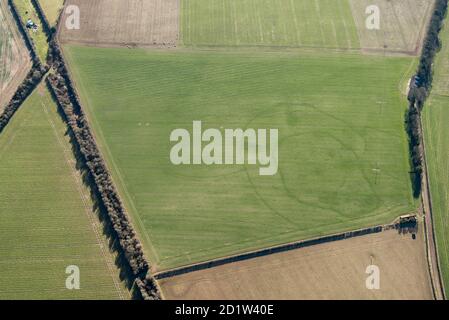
(328, 271)
(124, 23)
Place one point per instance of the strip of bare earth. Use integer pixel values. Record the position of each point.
(64, 94)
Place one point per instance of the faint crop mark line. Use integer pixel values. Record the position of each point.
(224, 19)
(83, 197)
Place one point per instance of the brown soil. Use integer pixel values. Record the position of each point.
(328, 271)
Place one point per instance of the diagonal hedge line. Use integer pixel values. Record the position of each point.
(63, 91)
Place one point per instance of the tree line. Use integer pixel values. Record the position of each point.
(33, 77)
(419, 90)
(62, 89)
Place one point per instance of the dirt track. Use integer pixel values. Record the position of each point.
(329, 271)
(14, 59)
(124, 23)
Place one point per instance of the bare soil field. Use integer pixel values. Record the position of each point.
(402, 25)
(334, 270)
(14, 58)
(124, 23)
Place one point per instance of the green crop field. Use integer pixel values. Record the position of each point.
(288, 23)
(436, 125)
(343, 156)
(46, 217)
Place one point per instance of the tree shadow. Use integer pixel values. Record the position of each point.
(126, 274)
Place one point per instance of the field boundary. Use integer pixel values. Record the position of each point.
(276, 249)
(21, 73)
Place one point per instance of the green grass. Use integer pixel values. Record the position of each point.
(436, 125)
(44, 214)
(340, 117)
(27, 11)
(288, 23)
(52, 8)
